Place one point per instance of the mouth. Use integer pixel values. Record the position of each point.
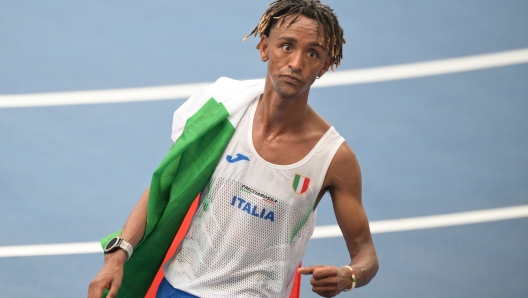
(291, 79)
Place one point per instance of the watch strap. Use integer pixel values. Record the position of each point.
(119, 243)
(127, 247)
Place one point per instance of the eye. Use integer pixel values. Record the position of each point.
(286, 47)
(313, 54)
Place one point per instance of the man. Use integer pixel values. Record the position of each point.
(257, 210)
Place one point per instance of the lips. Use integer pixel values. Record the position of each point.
(291, 79)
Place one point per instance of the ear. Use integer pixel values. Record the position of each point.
(263, 47)
(328, 62)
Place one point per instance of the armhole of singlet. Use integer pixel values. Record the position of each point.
(331, 155)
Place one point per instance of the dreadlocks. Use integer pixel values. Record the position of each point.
(314, 9)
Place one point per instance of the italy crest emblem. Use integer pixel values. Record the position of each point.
(300, 184)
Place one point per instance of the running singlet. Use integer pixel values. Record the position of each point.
(254, 220)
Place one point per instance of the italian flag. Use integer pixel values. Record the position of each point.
(202, 128)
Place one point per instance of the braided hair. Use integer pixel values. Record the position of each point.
(279, 10)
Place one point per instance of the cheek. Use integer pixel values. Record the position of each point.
(274, 62)
(277, 56)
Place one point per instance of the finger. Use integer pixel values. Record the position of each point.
(329, 281)
(323, 272)
(325, 291)
(95, 290)
(307, 270)
(90, 290)
(113, 290)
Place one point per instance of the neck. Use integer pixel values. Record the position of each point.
(277, 115)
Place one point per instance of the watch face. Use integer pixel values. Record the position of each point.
(111, 243)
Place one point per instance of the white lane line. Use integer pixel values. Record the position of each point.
(339, 78)
(50, 249)
(376, 227)
(433, 221)
(423, 69)
(99, 96)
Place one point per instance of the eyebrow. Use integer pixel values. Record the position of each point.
(294, 41)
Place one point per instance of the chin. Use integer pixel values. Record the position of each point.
(284, 90)
(288, 92)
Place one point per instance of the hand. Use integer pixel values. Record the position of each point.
(109, 277)
(328, 281)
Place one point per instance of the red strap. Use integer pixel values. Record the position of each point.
(296, 289)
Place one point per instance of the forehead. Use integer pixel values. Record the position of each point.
(303, 27)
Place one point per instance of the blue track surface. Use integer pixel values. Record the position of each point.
(426, 146)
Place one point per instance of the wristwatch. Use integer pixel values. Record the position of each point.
(118, 243)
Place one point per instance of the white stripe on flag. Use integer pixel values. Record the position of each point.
(300, 184)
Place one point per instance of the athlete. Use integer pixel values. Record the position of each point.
(258, 210)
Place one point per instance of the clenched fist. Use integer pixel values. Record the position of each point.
(328, 281)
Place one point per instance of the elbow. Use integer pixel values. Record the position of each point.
(368, 272)
(373, 272)
(375, 269)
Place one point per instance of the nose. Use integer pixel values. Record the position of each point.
(296, 61)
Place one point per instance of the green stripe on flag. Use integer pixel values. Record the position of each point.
(296, 182)
(182, 174)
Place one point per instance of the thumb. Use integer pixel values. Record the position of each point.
(306, 270)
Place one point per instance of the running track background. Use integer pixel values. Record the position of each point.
(427, 146)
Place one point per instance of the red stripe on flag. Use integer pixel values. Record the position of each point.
(177, 239)
(296, 289)
(305, 184)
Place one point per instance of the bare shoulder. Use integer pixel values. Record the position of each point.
(344, 172)
(317, 122)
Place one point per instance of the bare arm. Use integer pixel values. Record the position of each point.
(345, 191)
(343, 181)
(137, 220)
(111, 274)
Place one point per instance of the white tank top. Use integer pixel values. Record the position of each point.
(253, 223)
